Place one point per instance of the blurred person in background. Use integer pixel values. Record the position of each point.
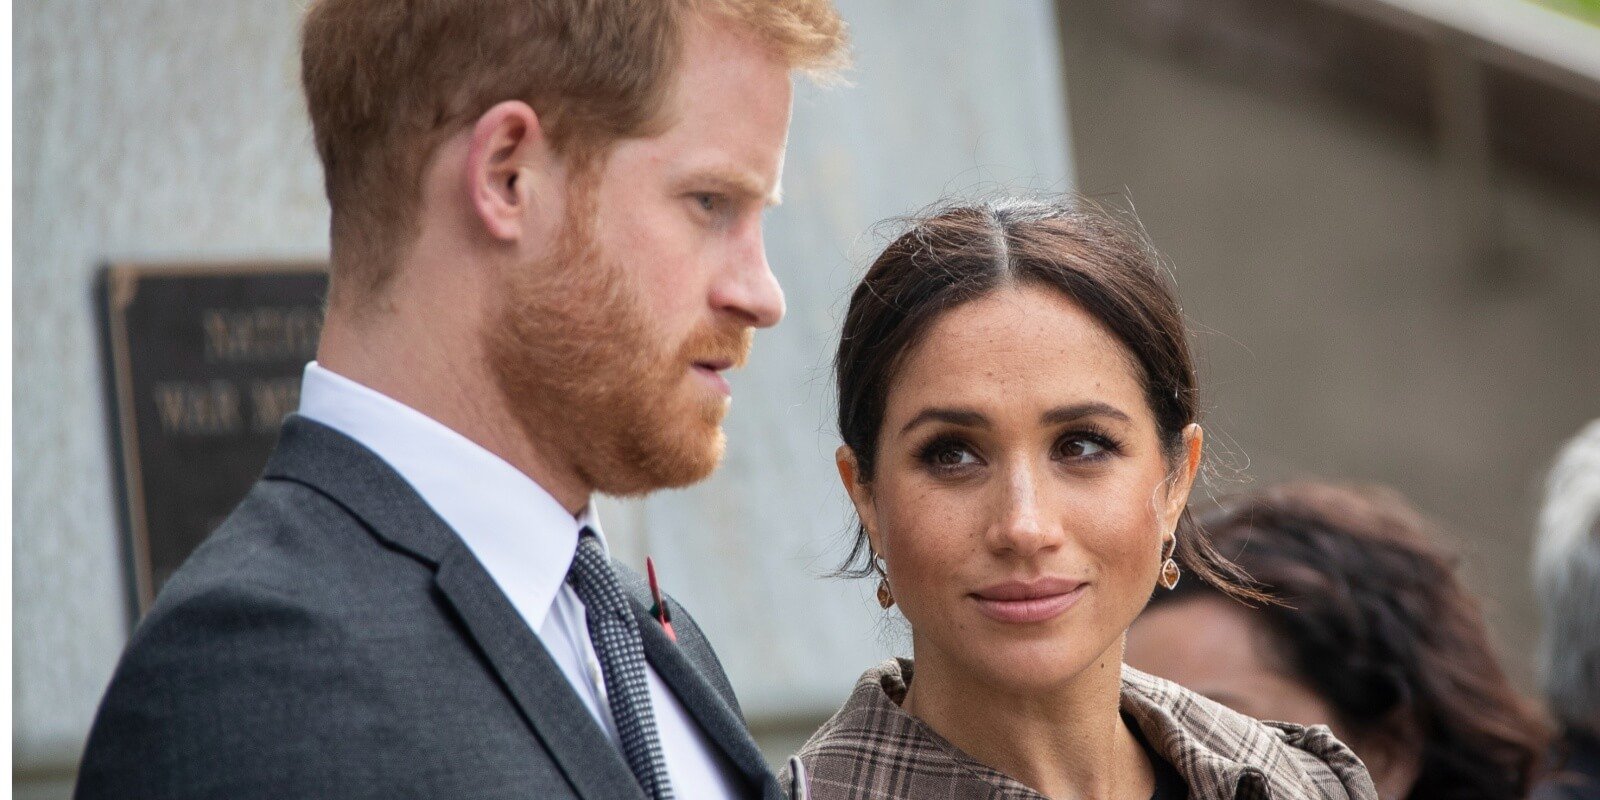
(1018, 407)
(1566, 579)
(1375, 636)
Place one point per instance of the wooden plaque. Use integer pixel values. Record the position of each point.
(202, 363)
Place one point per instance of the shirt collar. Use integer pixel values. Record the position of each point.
(521, 534)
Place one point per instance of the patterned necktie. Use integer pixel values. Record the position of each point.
(615, 633)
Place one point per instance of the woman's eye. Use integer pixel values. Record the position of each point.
(949, 455)
(1079, 447)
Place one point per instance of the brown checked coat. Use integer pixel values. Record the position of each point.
(873, 750)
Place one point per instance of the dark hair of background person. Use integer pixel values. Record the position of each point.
(959, 253)
(1375, 622)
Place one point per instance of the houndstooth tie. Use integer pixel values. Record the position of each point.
(615, 633)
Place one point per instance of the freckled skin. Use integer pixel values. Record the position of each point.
(1021, 511)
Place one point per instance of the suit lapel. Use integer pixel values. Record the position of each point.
(720, 722)
(590, 761)
(351, 475)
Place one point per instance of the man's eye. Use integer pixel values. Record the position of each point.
(708, 203)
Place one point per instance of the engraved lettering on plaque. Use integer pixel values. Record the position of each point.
(203, 363)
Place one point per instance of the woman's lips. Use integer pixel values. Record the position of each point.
(1033, 601)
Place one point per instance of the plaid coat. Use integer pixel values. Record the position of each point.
(873, 750)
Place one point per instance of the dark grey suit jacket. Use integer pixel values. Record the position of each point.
(334, 638)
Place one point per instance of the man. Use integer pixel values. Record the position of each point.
(546, 250)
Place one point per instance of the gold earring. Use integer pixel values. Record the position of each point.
(885, 597)
(1169, 568)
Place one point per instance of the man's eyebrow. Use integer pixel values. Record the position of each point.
(965, 417)
(1063, 414)
(736, 182)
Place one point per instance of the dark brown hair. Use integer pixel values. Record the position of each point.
(386, 82)
(959, 253)
(1376, 623)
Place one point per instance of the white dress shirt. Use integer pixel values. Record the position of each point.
(525, 540)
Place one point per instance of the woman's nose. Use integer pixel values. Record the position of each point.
(1020, 525)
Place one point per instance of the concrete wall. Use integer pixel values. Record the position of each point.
(1344, 327)
(167, 130)
(142, 130)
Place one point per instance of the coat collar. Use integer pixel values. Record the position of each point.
(337, 466)
(721, 723)
(521, 533)
(1222, 755)
(352, 476)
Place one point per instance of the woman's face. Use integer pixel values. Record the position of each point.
(1021, 496)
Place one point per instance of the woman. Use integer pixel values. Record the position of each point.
(1376, 637)
(1017, 404)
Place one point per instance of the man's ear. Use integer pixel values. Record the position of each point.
(1187, 469)
(860, 496)
(508, 169)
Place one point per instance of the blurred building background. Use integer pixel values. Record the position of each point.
(1385, 221)
(1384, 216)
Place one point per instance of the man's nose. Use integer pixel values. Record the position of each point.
(748, 289)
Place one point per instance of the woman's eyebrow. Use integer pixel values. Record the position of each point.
(1077, 411)
(965, 417)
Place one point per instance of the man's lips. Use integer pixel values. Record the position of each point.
(711, 371)
(1034, 600)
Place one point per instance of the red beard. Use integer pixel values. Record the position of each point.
(580, 368)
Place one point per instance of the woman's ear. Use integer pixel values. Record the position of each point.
(1186, 470)
(860, 495)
